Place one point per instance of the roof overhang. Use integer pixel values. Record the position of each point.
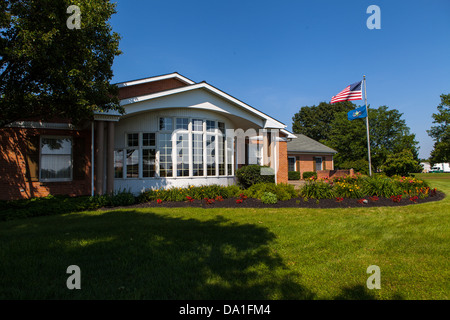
(157, 78)
(269, 122)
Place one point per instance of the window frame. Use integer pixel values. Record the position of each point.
(40, 158)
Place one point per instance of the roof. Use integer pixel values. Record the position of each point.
(270, 121)
(304, 144)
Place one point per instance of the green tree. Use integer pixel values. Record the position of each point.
(50, 71)
(315, 122)
(441, 132)
(389, 134)
(402, 163)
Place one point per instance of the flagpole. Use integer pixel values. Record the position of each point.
(367, 127)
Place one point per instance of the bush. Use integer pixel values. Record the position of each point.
(401, 163)
(251, 174)
(293, 175)
(317, 190)
(282, 191)
(269, 198)
(309, 174)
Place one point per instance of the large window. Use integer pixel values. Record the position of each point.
(181, 147)
(197, 154)
(56, 159)
(165, 155)
(211, 155)
(182, 155)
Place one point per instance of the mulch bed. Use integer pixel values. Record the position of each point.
(292, 203)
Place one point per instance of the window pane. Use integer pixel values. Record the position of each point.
(165, 124)
(291, 164)
(148, 163)
(182, 155)
(210, 126)
(210, 155)
(148, 139)
(254, 153)
(221, 157)
(230, 147)
(182, 123)
(221, 126)
(132, 163)
(56, 146)
(118, 164)
(133, 139)
(197, 125)
(197, 154)
(165, 155)
(56, 158)
(56, 166)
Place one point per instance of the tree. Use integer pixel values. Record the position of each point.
(441, 132)
(402, 163)
(389, 134)
(49, 71)
(315, 122)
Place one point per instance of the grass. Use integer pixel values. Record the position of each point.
(193, 253)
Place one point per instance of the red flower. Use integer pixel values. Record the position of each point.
(239, 201)
(219, 198)
(339, 199)
(374, 198)
(243, 196)
(189, 199)
(414, 199)
(159, 200)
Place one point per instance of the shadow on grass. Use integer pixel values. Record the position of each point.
(132, 255)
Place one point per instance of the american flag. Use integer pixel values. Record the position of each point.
(351, 92)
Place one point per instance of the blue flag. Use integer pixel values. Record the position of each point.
(360, 112)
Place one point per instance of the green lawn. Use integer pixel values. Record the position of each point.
(192, 253)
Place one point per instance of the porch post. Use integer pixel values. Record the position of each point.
(110, 159)
(99, 157)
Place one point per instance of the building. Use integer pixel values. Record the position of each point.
(175, 132)
(305, 154)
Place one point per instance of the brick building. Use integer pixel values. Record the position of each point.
(305, 154)
(174, 132)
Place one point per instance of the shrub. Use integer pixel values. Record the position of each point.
(232, 191)
(317, 190)
(283, 191)
(269, 198)
(309, 174)
(401, 163)
(293, 175)
(251, 174)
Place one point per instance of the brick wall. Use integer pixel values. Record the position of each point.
(16, 182)
(282, 175)
(150, 87)
(307, 162)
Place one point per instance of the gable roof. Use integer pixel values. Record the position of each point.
(304, 144)
(175, 75)
(269, 121)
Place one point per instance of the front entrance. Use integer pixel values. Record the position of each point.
(318, 163)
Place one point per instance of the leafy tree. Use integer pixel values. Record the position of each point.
(402, 163)
(50, 71)
(441, 132)
(389, 134)
(315, 122)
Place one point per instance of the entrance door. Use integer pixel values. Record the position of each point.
(318, 163)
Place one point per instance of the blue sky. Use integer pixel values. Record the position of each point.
(278, 56)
